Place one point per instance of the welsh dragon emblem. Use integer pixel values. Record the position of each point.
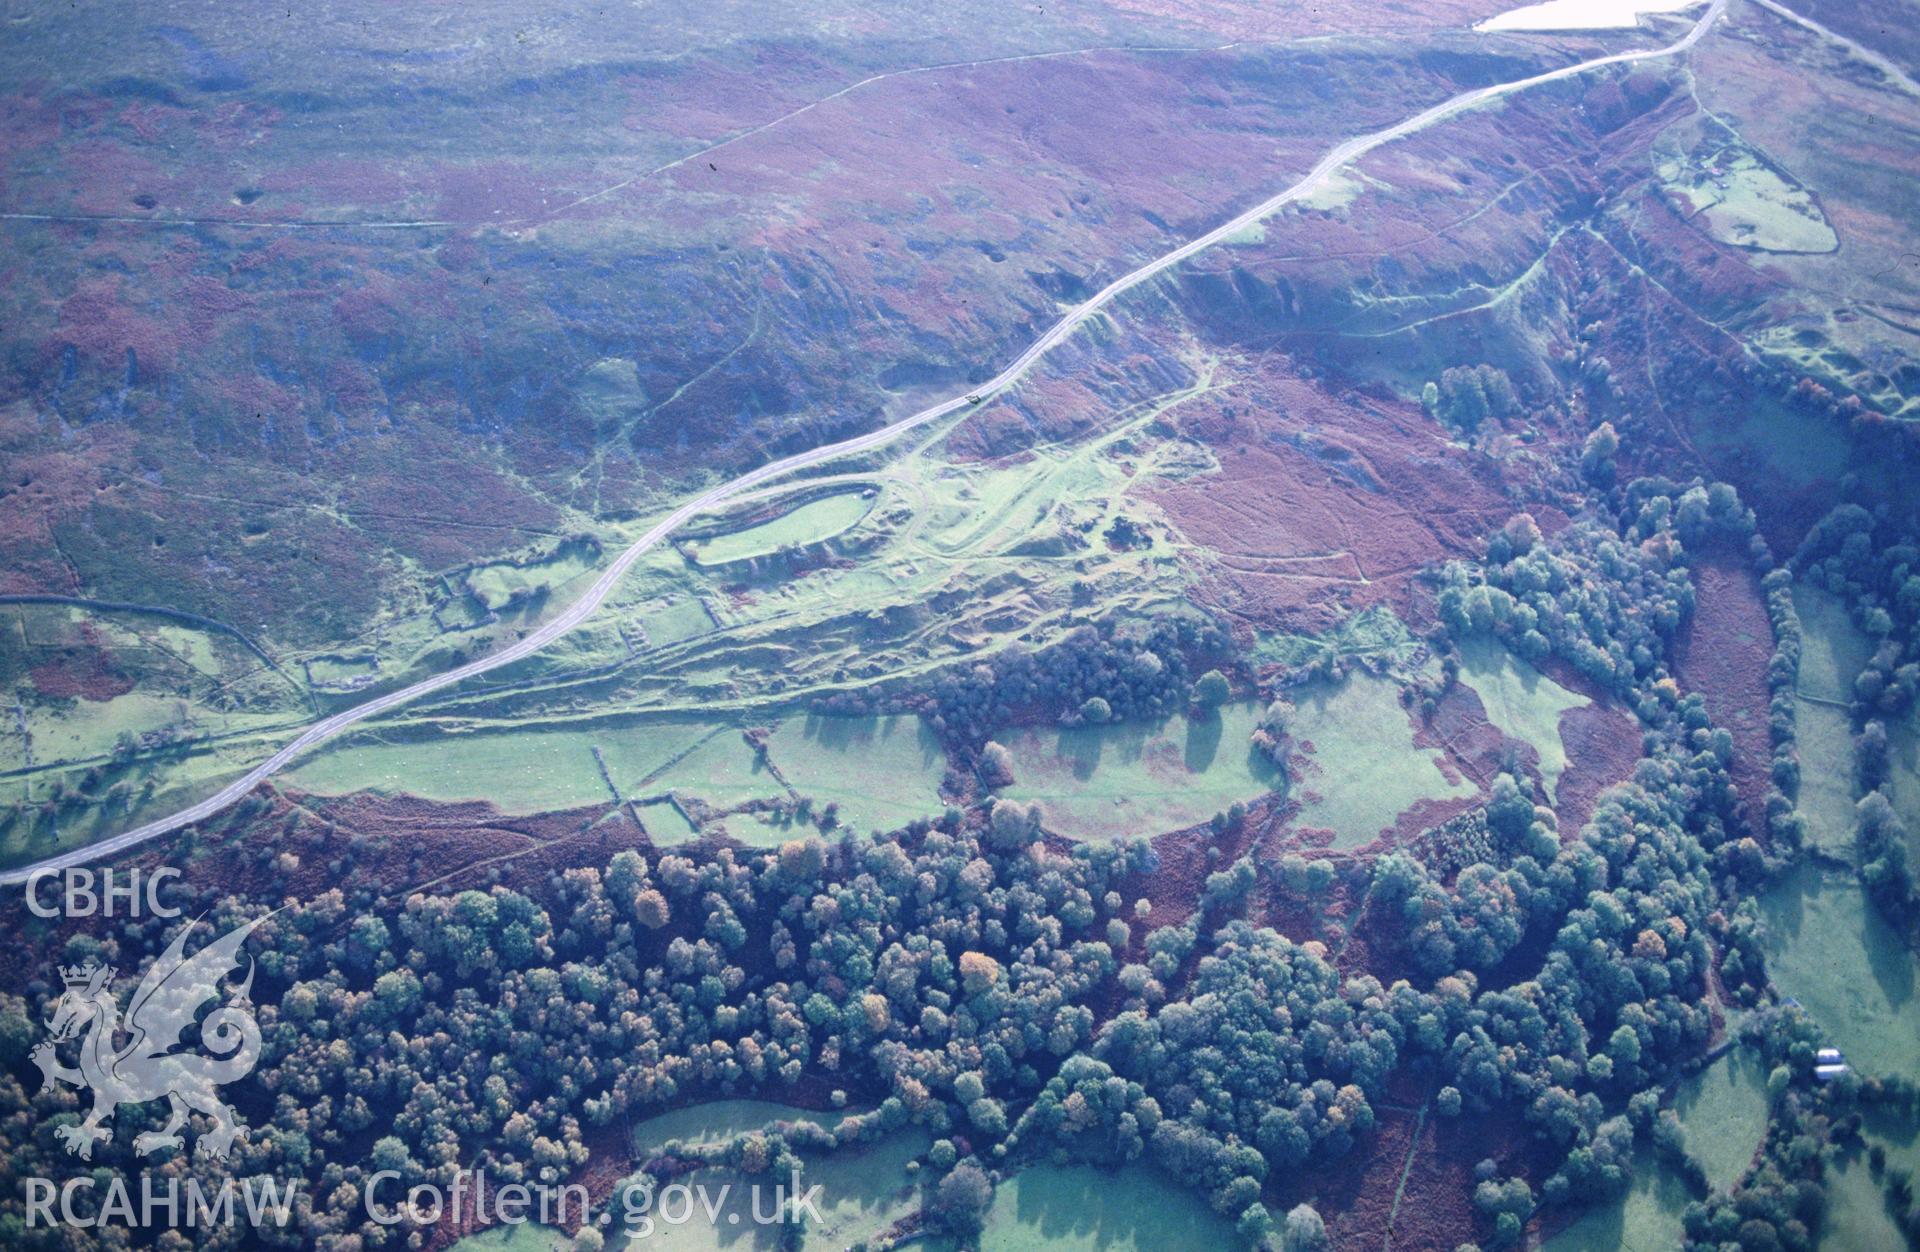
(147, 1067)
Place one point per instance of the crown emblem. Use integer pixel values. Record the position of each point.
(80, 975)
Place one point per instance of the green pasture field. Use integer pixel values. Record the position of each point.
(1857, 1215)
(665, 823)
(339, 671)
(1828, 946)
(881, 771)
(519, 772)
(1827, 792)
(1647, 1217)
(809, 523)
(724, 771)
(1833, 652)
(673, 619)
(525, 771)
(1903, 779)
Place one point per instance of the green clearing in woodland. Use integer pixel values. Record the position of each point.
(1903, 779)
(1833, 650)
(1521, 702)
(1077, 1208)
(810, 523)
(864, 1190)
(882, 771)
(1723, 1112)
(524, 1237)
(520, 772)
(1369, 770)
(1140, 778)
(1647, 1219)
(1826, 776)
(717, 1121)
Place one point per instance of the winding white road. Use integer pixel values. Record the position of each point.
(578, 612)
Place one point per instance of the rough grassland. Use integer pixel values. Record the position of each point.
(1723, 655)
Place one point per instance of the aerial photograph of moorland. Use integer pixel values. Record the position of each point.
(1069, 626)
